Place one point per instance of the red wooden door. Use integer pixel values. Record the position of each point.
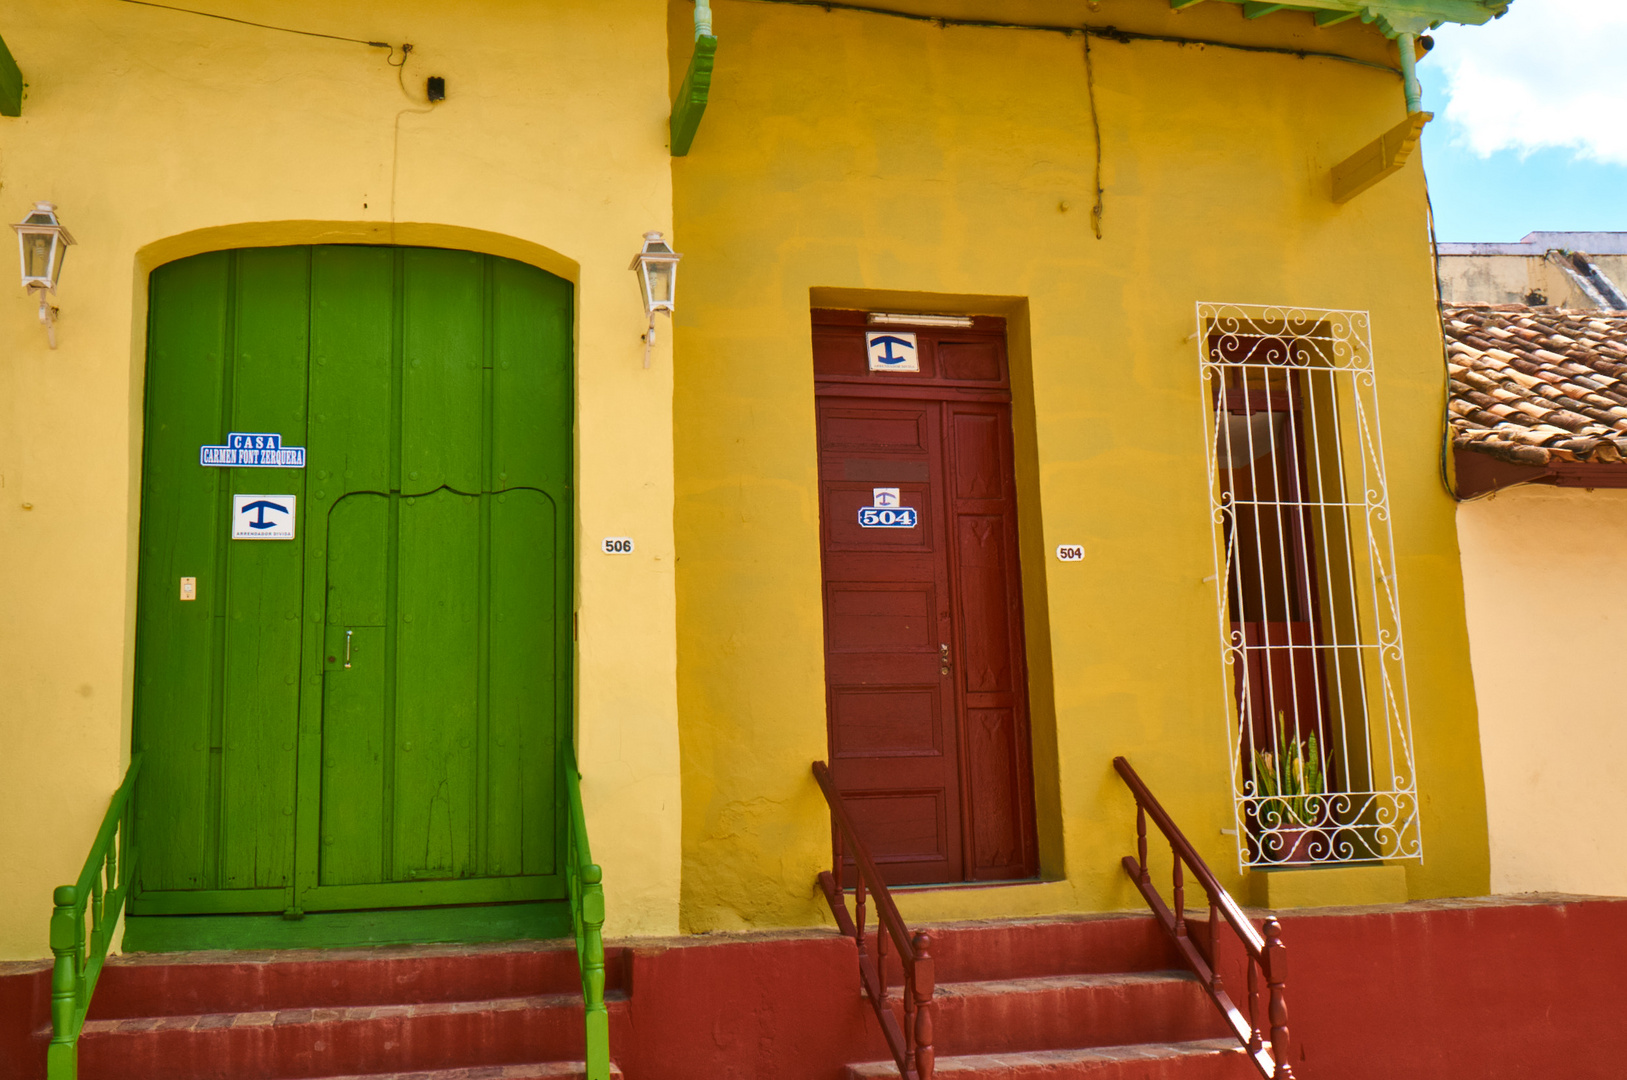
(926, 680)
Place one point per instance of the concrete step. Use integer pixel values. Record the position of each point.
(1067, 1012)
(289, 1044)
(1023, 948)
(1208, 1059)
(185, 984)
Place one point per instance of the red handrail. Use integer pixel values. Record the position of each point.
(911, 1046)
(1266, 955)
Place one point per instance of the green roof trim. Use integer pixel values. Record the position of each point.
(1394, 17)
(690, 105)
(11, 84)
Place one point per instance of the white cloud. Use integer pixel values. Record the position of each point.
(1550, 73)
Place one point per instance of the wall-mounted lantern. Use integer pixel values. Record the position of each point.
(41, 244)
(657, 269)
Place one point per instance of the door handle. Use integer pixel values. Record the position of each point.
(943, 658)
(348, 634)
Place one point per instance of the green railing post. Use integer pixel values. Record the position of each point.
(67, 928)
(102, 887)
(583, 879)
(591, 951)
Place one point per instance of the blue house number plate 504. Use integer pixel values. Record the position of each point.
(876, 517)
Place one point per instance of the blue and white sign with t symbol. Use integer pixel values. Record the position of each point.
(262, 517)
(891, 351)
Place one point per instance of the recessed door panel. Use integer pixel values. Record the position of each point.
(886, 721)
(866, 617)
(437, 686)
(529, 687)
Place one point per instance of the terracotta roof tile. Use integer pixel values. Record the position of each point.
(1538, 385)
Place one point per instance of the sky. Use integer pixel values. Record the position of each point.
(1530, 128)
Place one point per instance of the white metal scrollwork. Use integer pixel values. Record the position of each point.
(1314, 671)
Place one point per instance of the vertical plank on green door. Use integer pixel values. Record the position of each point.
(531, 566)
(531, 407)
(175, 652)
(260, 700)
(353, 695)
(437, 662)
(524, 684)
(442, 396)
(352, 323)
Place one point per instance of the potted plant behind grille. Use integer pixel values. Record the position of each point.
(1292, 785)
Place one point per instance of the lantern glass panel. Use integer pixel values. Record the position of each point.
(37, 256)
(661, 280)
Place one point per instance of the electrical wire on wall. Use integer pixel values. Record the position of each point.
(405, 50)
(1110, 33)
(261, 25)
(429, 104)
(1096, 128)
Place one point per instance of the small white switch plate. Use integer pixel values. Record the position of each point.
(189, 588)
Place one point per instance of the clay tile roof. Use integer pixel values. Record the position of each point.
(1534, 385)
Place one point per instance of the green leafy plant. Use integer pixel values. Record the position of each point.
(1292, 780)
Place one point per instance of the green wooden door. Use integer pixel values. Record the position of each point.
(367, 715)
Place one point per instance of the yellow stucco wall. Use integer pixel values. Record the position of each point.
(848, 155)
(162, 134)
(1546, 603)
(844, 159)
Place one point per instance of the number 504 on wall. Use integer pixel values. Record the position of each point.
(1070, 552)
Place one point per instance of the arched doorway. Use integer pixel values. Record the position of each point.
(366, 715)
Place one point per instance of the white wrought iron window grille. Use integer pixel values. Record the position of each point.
(1314, 672)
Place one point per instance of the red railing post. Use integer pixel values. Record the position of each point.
(858, 928)
(1265, 957)
(1214, 946)
(1180, 892)
(1276, 963)
(925, 982)
(1141, 841)
(1256, 1039)
(911, 1042)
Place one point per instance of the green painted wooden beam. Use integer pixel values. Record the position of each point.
(1179, 4)
(11, 83)
(1253, 9)
(691, 104)
(1331, 18)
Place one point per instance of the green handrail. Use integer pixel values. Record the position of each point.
(102, 886)
(587, 919)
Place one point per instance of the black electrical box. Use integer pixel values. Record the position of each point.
(437, 88)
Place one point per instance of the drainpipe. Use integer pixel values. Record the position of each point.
(1406, 42)
(703, 19)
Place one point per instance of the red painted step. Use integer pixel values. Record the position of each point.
(1205, 1060)
(1019, 948)
(1057, 1012)
(328, 1042)
(177, 984)
(507, 1012)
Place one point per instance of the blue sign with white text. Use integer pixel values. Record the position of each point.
(877, 517)
(253, 450)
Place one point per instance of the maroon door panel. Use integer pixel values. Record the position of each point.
(926, 679)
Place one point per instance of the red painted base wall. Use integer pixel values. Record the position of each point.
(1494, 989)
